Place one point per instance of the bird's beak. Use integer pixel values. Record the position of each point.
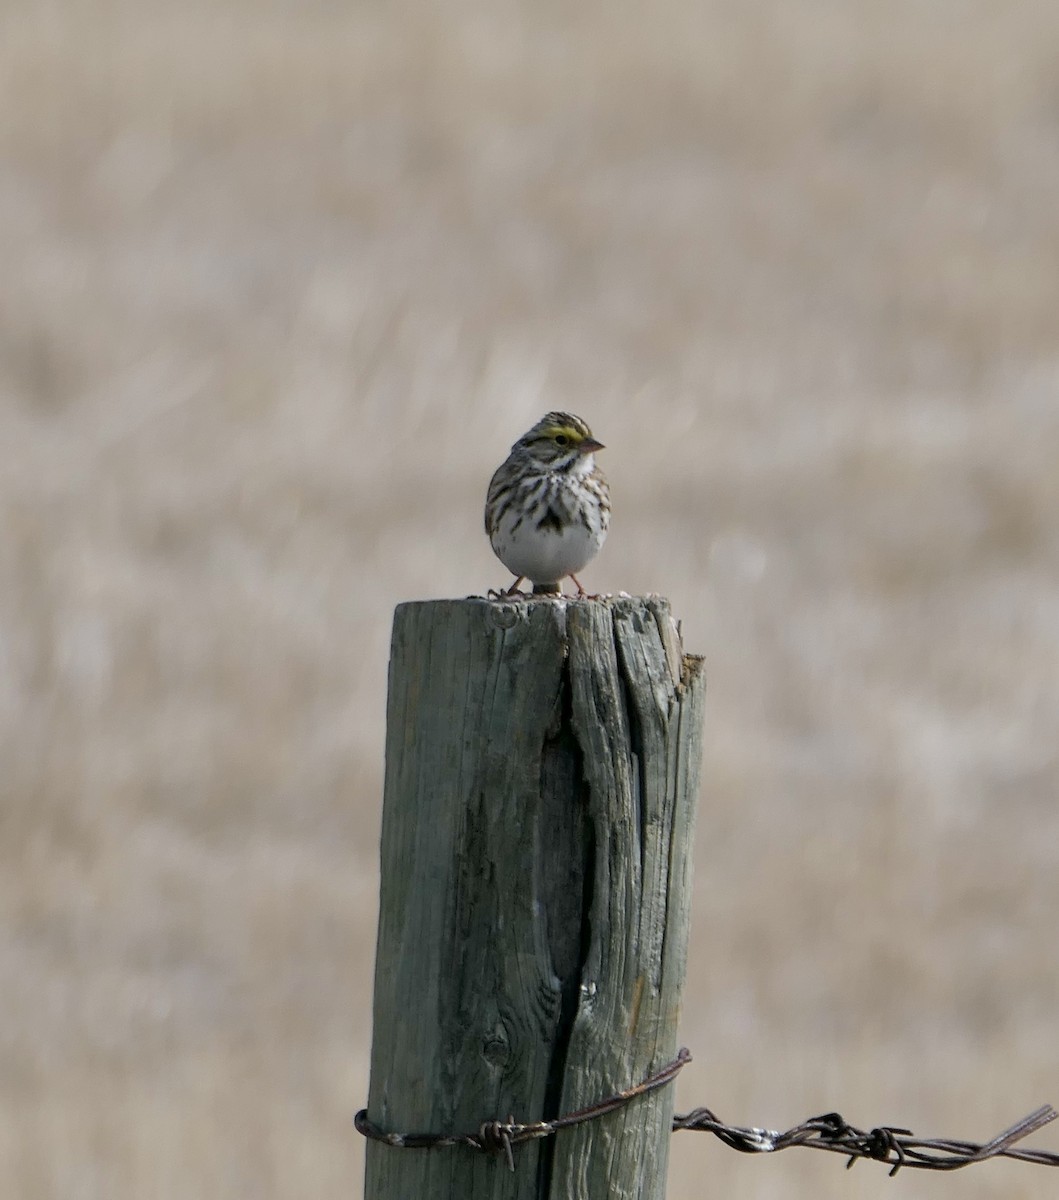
(589, 445)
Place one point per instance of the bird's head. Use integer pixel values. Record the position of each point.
(559, 441)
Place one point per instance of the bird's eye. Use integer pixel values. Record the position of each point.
(561, 439)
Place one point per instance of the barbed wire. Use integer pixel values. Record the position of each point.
(887, 1144)
(503, 1136)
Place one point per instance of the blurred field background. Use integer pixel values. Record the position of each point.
(281, 284)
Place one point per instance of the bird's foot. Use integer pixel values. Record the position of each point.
(581, 593)
(510, 593)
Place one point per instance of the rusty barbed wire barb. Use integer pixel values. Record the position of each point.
(887, 1144)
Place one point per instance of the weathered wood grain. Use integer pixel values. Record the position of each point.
(542, 763)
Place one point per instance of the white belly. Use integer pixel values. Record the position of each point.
(545, 555)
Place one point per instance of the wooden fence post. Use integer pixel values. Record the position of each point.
(542, 764)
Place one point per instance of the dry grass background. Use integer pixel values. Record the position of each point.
(282, 282)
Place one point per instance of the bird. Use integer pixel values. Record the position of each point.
(547, 510)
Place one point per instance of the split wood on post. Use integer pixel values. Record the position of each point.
(542, 763)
